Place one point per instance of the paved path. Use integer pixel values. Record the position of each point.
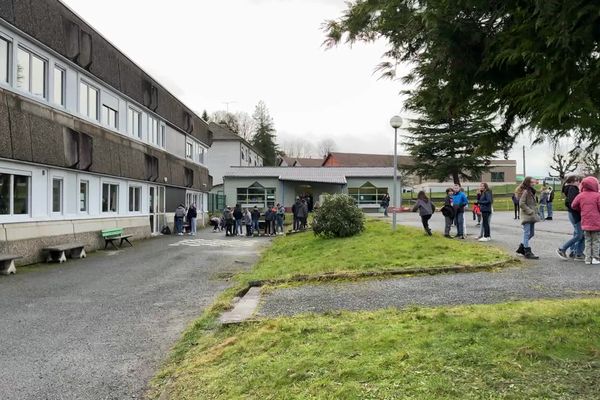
(99, 328)
(548, 277)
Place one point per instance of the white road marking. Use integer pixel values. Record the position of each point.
(213, 243)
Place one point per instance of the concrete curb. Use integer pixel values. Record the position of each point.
(394, 272)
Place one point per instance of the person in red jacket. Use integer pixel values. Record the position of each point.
(588, 204)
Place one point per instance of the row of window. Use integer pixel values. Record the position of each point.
(194, 151)
(15, 196)
(32, 77)
(256, 196)
(245, 154)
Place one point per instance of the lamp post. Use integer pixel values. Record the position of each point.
(395, 122)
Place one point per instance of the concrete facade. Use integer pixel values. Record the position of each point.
(88, 140)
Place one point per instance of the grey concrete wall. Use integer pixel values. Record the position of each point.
(33, 132)
(53, 24)
(28, 238)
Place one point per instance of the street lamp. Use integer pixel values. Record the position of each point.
(395, 122)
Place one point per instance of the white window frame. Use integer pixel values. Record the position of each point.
(87, 196)
(11, 193)
(138, 189)
(154, 138)
(10, 58)
(87, 101)
(138, 135)
(107, 122)
(60, 179)
(63, 88)
(110, 183)
(44, 59)
(189, 145)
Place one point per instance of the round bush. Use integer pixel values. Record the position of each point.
(338, 216)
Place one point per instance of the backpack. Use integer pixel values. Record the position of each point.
(448, 211)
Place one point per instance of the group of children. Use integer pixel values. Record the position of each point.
(582, 199)
(233, 221)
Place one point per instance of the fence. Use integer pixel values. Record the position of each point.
(502, 197)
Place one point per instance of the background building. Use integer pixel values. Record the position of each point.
(228, 150)
(267, 186)
(88, 140)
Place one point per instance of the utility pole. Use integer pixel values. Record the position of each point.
(524, 173)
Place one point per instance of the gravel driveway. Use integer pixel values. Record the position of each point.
(99, 328)
(548, 277)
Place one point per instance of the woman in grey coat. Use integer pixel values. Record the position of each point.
(426, 209)
(529, 216)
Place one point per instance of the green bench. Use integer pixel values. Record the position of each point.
(110, 235)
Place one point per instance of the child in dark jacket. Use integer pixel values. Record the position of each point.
(426, 209)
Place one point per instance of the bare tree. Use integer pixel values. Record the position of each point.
(298, 148)
(326, 146)
(240, 123)
(591, 163)
(564, 162)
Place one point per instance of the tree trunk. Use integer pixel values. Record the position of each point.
(456, 178)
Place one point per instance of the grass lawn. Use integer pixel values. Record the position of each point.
(376, 249)
(528, 350)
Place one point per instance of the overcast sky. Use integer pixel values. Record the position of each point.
(209, 53)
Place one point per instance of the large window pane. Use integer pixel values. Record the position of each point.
(4, 59)
(38, 76)
(59, 86)
(21, 195)
(114, 198)
(83, 98)
(83, 196)
(92, 103)
(105, 197)
(4, 194)
(22, 69)
(57, 195)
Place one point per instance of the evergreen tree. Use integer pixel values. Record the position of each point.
(264, 135)
(445, 145)
(205, 116)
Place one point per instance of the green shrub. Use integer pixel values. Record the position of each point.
(338, 216)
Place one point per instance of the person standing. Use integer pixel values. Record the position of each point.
(268, 221)
(448, 212)
(247, 220)
(426, 209)
(280, 216)
(549, 205)
(229, 221)
(192, 216)
(295, 211)
(486, 199)
(588, 204)
(529, 216)
(255, 218)
(515, 201)
(238, 215)
(303, 214)
(459, 202)
(179, 215)
(577, 243)
(385, 203)
(543, 202)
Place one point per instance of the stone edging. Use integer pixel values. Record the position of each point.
(368, 274)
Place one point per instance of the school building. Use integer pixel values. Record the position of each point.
(88, 140)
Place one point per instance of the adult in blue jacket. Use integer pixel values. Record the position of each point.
(459, 202)
(485, 205)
